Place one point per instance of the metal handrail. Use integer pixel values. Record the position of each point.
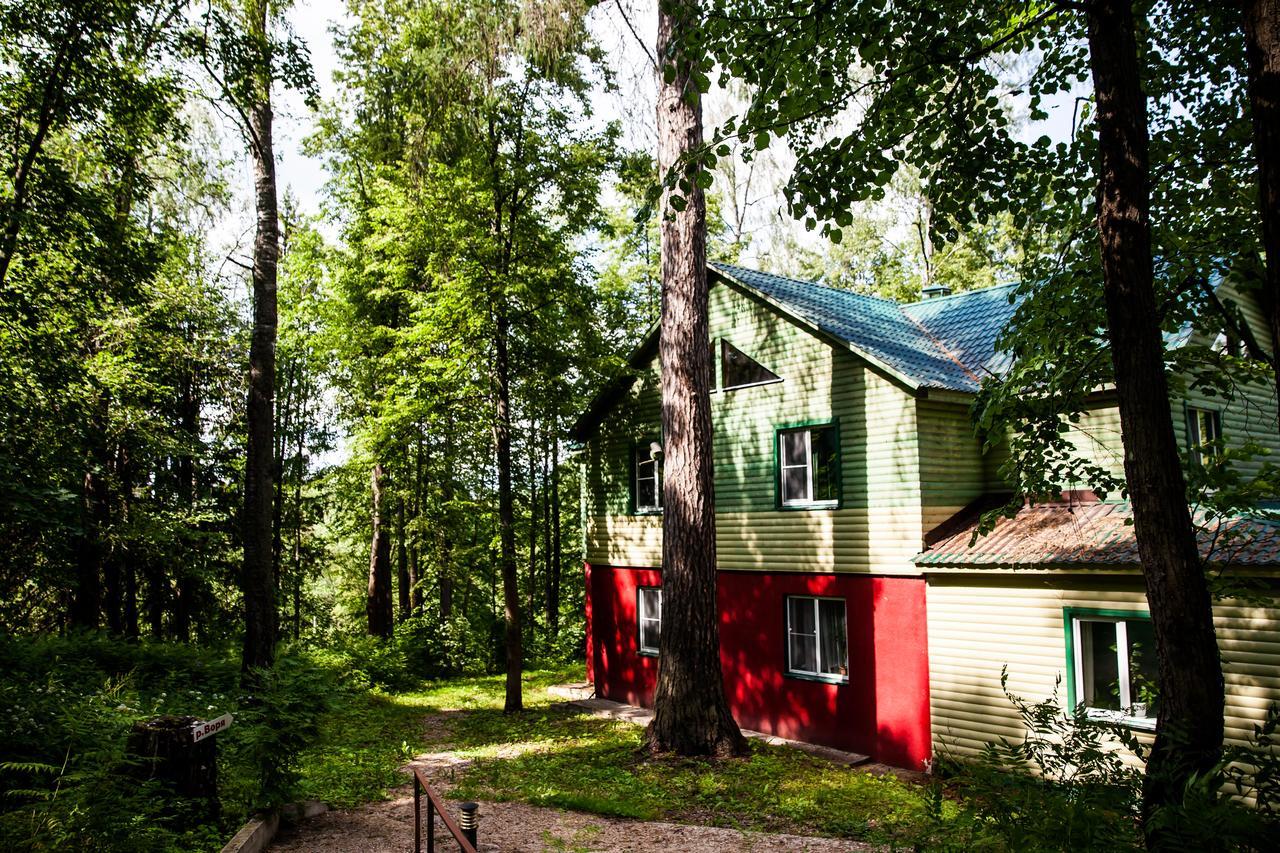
(434, 804)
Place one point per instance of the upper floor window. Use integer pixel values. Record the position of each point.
(649, 618)
(647, 476)
(1113, 666)
(1204, 431)
(817, 638)
(809, 466)
(738, 369)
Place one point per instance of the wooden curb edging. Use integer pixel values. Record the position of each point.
(255, 835)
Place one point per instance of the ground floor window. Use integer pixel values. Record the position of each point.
(1112, 664)
(649, 617)
(817, 639)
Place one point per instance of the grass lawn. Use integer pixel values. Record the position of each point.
(554, 756)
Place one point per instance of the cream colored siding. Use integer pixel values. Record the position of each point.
(981, 623)
(1248, 417)
(951, 464)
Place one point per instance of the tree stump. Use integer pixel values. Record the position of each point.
(166, 752)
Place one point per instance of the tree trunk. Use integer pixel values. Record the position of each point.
(691, 715)
(446, 529)
(1189, 730)
(300, 468)
(95, 517)
(378, 605)
(1262, 47)
(532, 446)
(122, 557)
(50, 103)
(189, 425)
(548, 521)
(553, 585)
(415, 551)
(285, 413)
(402, 563)
(506, 516)
(257, 577)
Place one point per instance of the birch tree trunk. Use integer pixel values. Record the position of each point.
(691, 716)
(1189, 729)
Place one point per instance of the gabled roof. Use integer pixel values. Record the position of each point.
(1090, 533)
(945, 343)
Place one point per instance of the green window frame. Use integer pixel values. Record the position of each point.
(648, 624)
(639, 467)
(1136, 698)
(794, 464)
(829, 639)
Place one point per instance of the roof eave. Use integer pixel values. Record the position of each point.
(813, 329)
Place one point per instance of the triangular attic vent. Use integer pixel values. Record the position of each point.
(738, 369)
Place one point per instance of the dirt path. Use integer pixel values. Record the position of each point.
(387, 827)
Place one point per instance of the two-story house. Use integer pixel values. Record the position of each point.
(853, 610)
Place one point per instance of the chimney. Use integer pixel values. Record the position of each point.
(933, 291)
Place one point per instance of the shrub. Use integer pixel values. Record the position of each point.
(1068, 786)
(67, 705)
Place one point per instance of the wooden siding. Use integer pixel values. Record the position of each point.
(877, 527)
(981, 623)
(952, 472)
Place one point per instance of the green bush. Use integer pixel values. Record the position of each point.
(1066, 787)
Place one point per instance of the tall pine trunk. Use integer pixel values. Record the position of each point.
(446, 530)
(1262, 48)
(513, 641)
(553, 582)
(184, 586)
(1189, 729)
(378, 608)
(691, 715)
(257, 578)
(402, 563)
(532, 612)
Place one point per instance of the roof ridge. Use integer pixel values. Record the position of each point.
(959, 294)
(807, 283)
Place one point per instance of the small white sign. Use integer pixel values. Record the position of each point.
(200, 731)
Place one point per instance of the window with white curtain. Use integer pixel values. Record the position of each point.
(817, 639)
(649, 618)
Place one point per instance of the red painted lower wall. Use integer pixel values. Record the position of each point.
(883, 711)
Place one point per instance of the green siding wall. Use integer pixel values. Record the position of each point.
(878, 525)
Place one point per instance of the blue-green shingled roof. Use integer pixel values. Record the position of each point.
(947, 342)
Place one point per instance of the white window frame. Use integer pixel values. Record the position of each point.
(642, 617)
(1197, 416)
(783, 467)
(1122, 670)
(655, 464)
(817, 638)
